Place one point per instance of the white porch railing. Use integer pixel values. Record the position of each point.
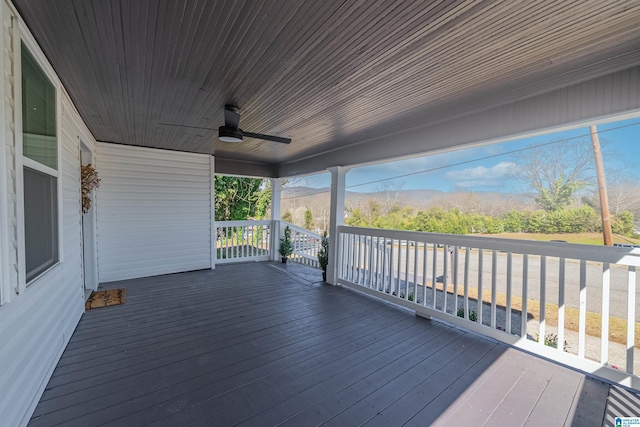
(306, 245)
(485, 284)
(238, 241)
(243, 241)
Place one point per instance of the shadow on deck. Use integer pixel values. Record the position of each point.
(265, 344)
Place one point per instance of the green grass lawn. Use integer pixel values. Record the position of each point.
(583, 238)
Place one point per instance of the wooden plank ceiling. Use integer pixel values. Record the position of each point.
(325, 73)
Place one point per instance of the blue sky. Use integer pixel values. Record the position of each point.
(488, 167)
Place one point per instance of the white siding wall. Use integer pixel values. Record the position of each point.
(153, 212)
(36, 324)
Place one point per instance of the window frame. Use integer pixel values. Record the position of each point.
(23, 39)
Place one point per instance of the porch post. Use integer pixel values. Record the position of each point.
(276, 198)
(212, 219)
(336, 218)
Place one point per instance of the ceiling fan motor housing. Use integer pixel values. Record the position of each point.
(228, 134)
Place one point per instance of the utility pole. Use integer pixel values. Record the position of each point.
(602, 188)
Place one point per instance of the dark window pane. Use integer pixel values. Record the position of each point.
(38, 114)
(40, 222)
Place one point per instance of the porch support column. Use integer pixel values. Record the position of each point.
(336, 218)
(212, 219)
(276, 198)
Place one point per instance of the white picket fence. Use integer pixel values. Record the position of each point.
(442, 276)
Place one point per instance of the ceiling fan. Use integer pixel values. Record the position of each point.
(230, 132)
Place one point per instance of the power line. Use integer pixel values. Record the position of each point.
(531, 147)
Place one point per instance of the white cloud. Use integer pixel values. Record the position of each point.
(481, 176)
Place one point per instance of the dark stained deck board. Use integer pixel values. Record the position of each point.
(328, 408)
(589, 404)
(227, 334)
(116, 390)
(406, 406)
(251, 344)
(214, 383)
(555, 402)
(480, 405)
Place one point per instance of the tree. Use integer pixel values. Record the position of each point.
(308, 219)
(238, 198)
(287, 217)
(555, 172)
(389, 191)
(623, 223)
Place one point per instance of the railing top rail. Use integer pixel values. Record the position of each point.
(301, 230)
(242, 223)
(613, 255)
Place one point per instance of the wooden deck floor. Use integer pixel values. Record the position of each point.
(249, 344)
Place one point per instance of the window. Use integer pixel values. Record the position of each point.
(40, 161)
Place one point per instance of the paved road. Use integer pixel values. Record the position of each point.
(619, 278)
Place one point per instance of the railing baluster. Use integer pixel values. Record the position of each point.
(561, 287)
(434, 282)
(604, 336)
(356, 248)
(406, 273)
(582, 323)
(494, 275)
(234, 242)
(339, 266)
(399, 278)
(227, 240)
(368, 261)
(543, 299)
(352, 250)
(391, 267)
(445, 276)
(377, 261)
(383, 279)
(454, 275)
(480, 265)
(465, 302)
(371, 261)
(245, 249)
(425, 250)
(631, 318)
(415, 271)
(373, 275)
(358, 257)
(345, 255)
(507, 325)
(525, 295)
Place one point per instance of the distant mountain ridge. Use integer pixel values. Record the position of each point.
(297, 199)
(405, 195)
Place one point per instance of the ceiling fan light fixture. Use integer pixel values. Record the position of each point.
(228, 134)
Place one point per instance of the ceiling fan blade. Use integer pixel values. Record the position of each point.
(186, 126)
(267, 137)
(231, 117)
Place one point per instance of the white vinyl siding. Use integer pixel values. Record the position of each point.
(154, 211)
(36, 324)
